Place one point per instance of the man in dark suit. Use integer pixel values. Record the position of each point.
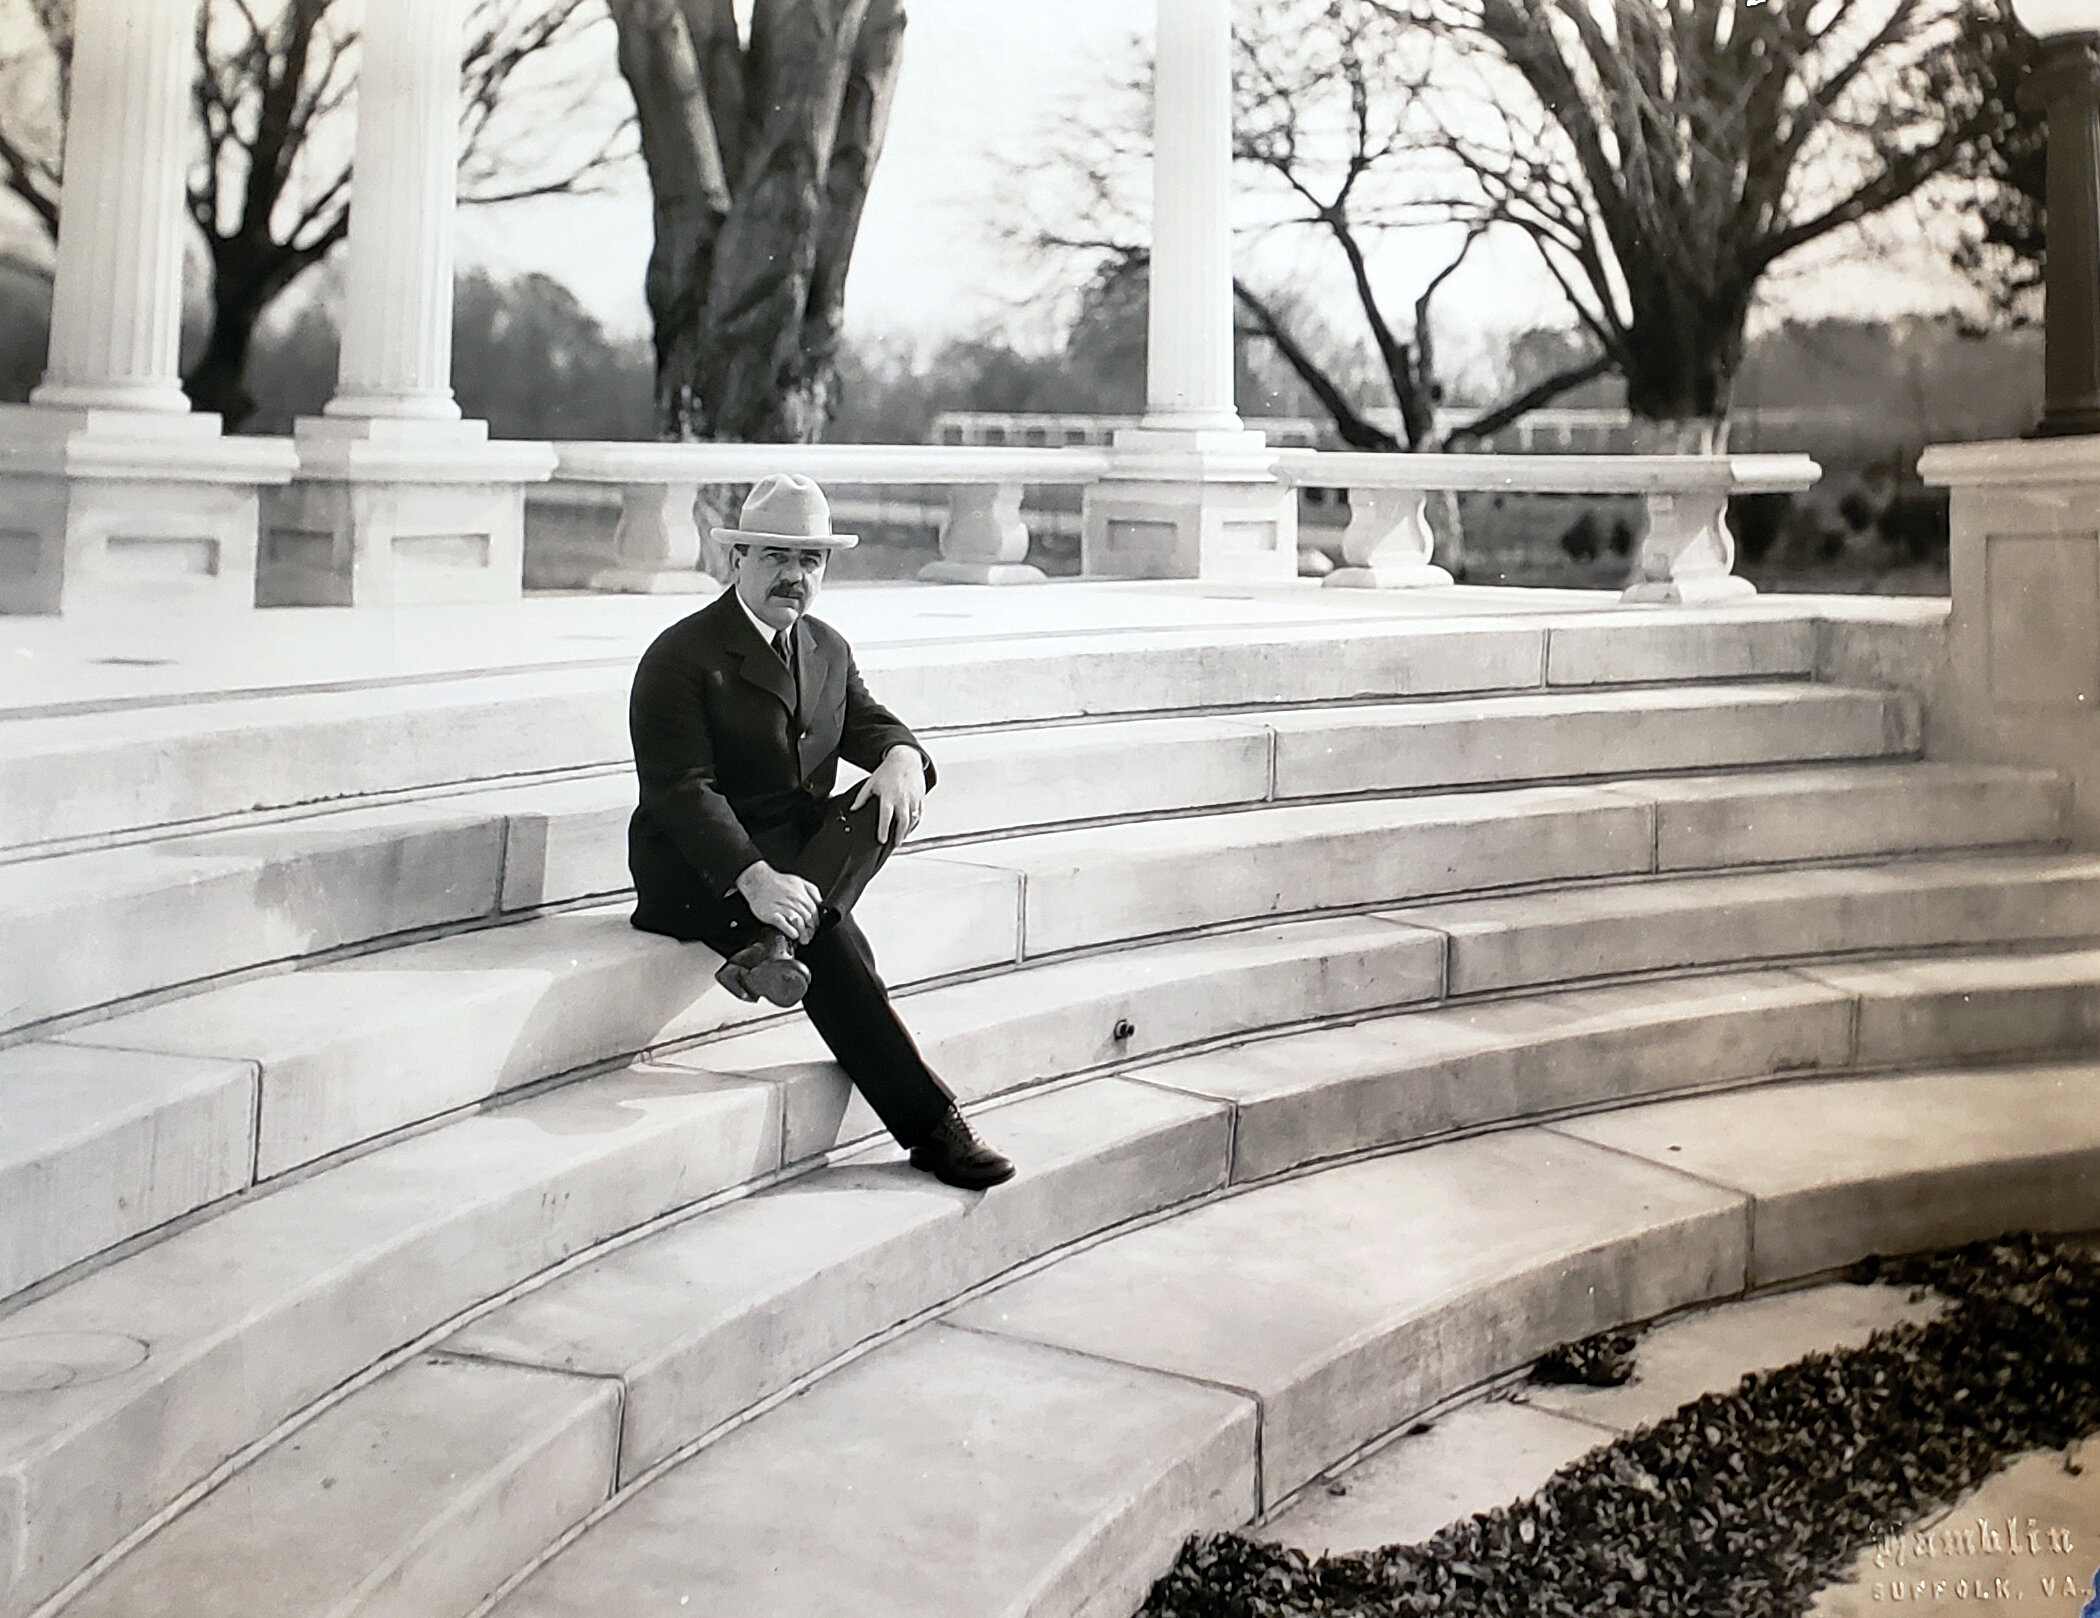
(739, 717)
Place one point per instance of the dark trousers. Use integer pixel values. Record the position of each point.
(847, 1000)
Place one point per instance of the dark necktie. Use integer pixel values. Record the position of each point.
(784, 644)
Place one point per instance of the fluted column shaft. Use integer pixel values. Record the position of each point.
(397, 327)
(2065, 87)
(1188, 351)
(116, 300)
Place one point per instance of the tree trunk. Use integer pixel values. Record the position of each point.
(1680, 366)
(756, 216)
(218, 379)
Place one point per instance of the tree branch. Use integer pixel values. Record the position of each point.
(1493, 421)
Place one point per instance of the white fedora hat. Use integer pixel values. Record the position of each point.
(786, 509)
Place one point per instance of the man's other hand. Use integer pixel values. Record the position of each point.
(899, 787)
(781, 899)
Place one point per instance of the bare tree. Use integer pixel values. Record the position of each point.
(2000, 206)
(1660, 156)
(1663, 155)
(270, 192)
(1334, 126)
(760, 149)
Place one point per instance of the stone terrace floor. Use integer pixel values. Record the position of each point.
(152, 656)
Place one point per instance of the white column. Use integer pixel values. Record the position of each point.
(397, 328)
(116, 302)
(1188, 350)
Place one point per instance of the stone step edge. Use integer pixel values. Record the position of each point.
(497, 785)
(1139, 1068)
(912, 991)
(436, 1342)
(1050, 1256)
(693, 1049)
(1446, 1399)
(958, 849)
(1804, 617)
(957, 852)
(428, 1341)
(490, 809)
(433, 1336)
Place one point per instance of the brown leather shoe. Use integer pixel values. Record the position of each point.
(954, 1156)
(766, 969)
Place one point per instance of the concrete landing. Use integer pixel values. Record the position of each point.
(149, 656)
(1488, 1453)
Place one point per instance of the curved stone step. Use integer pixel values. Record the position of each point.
(517, 1456)
(355, 1049)
(1003, 1033)
(343, 1054)
(1330, 1092)
(85, 929)
(358, 1048)
(70, 777)
(1218, 1359)
(132, 1383)
(700, 1321)
(695, 1323)
(1092, 886)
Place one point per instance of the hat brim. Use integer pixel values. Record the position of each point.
(792, 542)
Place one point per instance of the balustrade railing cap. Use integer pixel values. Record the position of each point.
(620, 462)
(2019, 460)
(1550, 473)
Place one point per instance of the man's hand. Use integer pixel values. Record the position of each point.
(781, 899)
(899, 786)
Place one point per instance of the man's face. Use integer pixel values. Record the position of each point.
(778, 582)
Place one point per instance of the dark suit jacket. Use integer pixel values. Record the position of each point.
(732, 768)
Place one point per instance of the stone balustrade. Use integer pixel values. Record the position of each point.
(1687, 553)
(658, 543)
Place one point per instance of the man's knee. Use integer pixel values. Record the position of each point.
(863, 824)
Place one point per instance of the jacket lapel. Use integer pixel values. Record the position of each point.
(809, 677)
(760, 667)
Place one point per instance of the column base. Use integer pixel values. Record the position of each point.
(1408, 576)
(106, 510)
(398, 512)
(981, 573)
(1197, 505)
(1241, 532)
(1692, 592)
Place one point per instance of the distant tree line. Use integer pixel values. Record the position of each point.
(534, 363)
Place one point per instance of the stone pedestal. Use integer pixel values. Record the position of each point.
(657, 544)
(397, 512)
(984, 540)
(1188, 505)
(2023, 681)
(1388, 543)
(111, 509)
(1687, 555)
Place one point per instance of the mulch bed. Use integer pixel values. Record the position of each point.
(1741, 1504)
